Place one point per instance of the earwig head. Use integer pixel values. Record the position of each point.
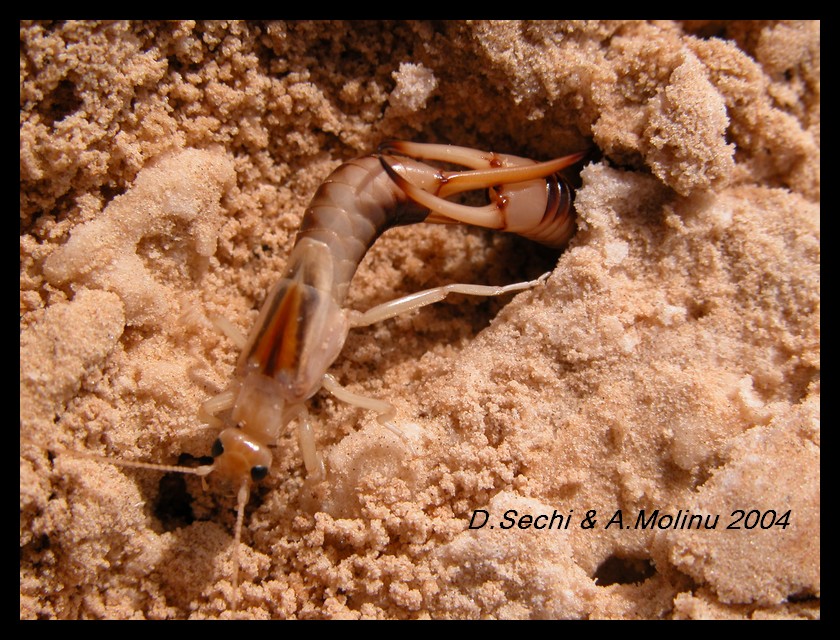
(239, 456)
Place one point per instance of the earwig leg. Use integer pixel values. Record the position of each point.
(306, 441)
(192, 315)
(209, 408)
(385, 411)
(230, 330)
(408, 303)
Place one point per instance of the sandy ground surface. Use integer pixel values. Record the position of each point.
(670, 362)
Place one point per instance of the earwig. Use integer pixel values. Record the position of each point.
(302, 325)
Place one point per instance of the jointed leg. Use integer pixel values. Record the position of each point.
(306, 440)
(384, 410)
(429, 296)
(218, 403)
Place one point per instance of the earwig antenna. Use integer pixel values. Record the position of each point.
(201, 471)
(241, 500)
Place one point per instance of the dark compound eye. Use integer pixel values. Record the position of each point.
(258, 473)
(218, 449)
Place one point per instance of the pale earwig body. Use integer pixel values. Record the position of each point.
(302, 325)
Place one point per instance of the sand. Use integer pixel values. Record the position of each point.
(663, 381)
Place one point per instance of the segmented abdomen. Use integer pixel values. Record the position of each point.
(353, 206)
